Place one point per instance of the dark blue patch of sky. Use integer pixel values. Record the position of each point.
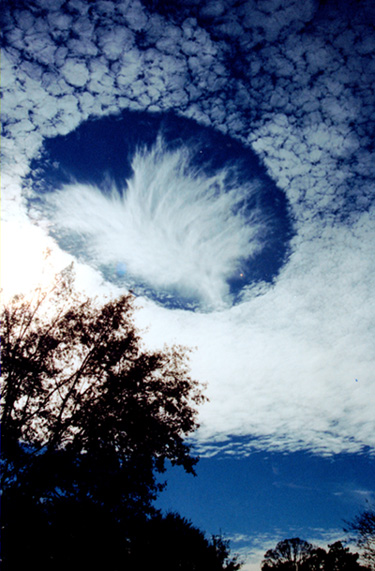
(268, 491)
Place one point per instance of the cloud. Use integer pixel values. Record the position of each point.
(295, 83)
(302, 342)
(176, 228)
(75, 72)
(116, 40)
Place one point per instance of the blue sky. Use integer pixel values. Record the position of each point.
(267, 497)
(217, 158)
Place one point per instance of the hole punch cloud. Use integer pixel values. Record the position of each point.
(177, 232)
(191, 230)
(290, 84)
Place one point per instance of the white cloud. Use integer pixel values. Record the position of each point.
(134, 14)
(170, 39)
(282, 366)
(59, 20)
(285, 363)
(175, 229)
(115, 41)
(131, 67)
(82, 47)
(101, 78)
(75, 72)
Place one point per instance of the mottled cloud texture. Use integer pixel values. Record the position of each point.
(294, 82)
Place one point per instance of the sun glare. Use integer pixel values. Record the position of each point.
(29, 259)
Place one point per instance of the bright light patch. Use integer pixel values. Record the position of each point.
(25, 263)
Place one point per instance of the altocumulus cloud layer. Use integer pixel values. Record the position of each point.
(291, 81)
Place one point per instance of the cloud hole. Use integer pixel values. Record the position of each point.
(175, 211)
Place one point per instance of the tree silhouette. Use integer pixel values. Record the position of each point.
(298, 555)
(88, 419)
(175, 543)
(363, 527)
(288, 555)
(339, 558)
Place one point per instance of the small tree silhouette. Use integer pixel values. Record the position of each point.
(176, 544)
(288, 555)
(363, 528)
(298, 555)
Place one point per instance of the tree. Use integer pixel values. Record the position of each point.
(339, 558)
(296, 554)
(288, 555)
(88, 415)
(172, 542)
(363, 527)
(78, 385)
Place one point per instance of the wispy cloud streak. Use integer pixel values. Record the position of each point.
(174, 228)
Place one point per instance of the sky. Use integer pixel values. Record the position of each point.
(216, 158)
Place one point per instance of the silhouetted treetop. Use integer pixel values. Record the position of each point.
(299, 555)
(175, 543)
(288, 554)
(363, 528)
(340, 558)
(82, 395)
